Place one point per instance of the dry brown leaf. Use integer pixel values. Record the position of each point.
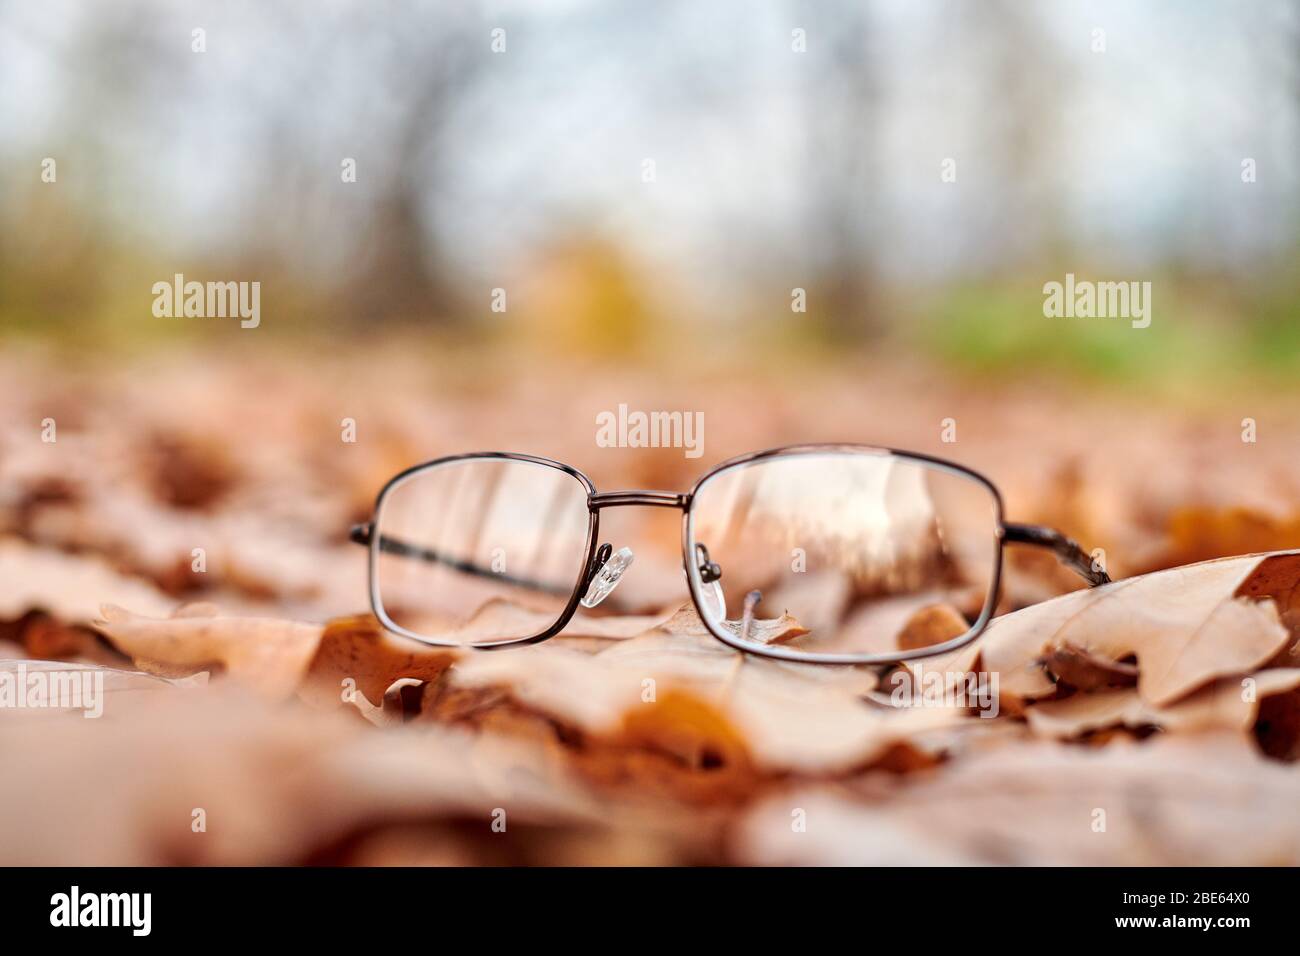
(685, 636)
(70, 587)
(395, 706)
(879, 626)
(776, 630)
(49, 638)
(358, 649)
(763, 630)
(499, 618)
(1279, 579)
(1186, 627)
(932, 624)
(1223, 705)
(268, 656)
(1079, 668)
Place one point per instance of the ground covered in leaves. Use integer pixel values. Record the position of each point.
(255, 713)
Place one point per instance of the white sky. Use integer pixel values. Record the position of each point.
(1139, 147)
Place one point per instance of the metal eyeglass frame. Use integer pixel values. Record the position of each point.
(1066, 550)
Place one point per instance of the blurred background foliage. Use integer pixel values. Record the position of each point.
(773, 169)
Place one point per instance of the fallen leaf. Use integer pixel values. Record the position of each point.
(1222, 705)
(358, 650)
(499, 618)
(1185, 626)
(1080, 668)
(269, 656)
(49, 638)
(69, 587)
(933, 624)
(762, 630)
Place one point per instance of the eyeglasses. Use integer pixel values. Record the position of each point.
(833, 554)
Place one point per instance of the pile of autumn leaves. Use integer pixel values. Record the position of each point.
(1149, 721)
(1152, 721)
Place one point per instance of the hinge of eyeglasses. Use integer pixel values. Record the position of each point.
(360, 533)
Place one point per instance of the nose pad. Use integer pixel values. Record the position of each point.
(715, 601)
(608, 572)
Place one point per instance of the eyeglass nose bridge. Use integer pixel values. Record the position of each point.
(653, 499)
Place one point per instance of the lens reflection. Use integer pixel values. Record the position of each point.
(867, 553)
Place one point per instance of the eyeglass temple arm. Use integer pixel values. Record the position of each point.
(361, 534)
(1067, 549)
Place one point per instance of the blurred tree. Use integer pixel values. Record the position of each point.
(392, 101)
(1020, 72)
(840, 108)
